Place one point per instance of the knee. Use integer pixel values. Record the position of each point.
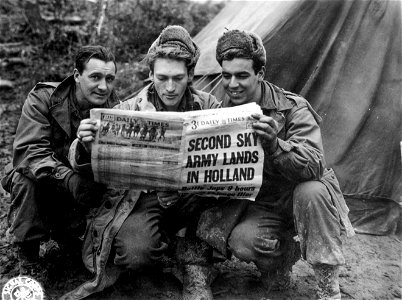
(22, 185)
(135, 251)
(240, 243)
(135, 255)
(311, 194)
(23, 209)
(252, 244)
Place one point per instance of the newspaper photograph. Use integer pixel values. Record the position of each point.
(210, 152)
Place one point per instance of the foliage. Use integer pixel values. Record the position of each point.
(202, 13)
(133, 25)
(51, 30)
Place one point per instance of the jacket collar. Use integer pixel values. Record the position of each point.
(273, 98)
(186, 103)
(59, 103)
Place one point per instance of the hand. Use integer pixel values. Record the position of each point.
(168, 198)
(86, 133)
(84, 190)
(267, 129)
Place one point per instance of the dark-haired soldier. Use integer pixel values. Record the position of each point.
(298, 194)
(49, 199)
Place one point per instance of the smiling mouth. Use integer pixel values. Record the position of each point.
(100, 95)
(235, 93)
(170, 96)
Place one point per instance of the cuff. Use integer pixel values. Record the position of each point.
(78, 157)
(283, 146)
(61, 173)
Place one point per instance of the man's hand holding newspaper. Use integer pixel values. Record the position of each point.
(86, 133)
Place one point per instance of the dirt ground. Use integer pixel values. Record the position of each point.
(372, 270)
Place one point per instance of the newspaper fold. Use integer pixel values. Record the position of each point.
(208, 152)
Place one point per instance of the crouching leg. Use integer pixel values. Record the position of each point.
(40, 211)
(195, 268)
(262, 237)
(139, 243)
(319, 230)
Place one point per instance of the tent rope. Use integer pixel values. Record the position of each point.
(212, 82)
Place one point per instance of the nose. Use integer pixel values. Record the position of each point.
(170, 86)
(233, 82)
(102, 84)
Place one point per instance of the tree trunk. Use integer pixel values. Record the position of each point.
(99, 21)
(34, 18)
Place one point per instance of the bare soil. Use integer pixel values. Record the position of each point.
(372, 270)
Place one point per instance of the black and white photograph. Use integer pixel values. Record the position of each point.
(201, 149)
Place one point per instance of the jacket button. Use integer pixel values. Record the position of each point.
(57, 175)
(108, 205)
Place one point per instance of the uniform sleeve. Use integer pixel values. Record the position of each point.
(33, 153)
(79, 158)
(299, 156)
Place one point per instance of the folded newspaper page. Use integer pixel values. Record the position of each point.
(210, 152)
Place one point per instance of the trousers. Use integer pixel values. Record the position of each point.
(307, 210)
(148, 235)
(40, 211)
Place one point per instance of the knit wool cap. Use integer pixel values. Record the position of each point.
(177, 38)
(248, 44)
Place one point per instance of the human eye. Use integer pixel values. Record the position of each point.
(226, 75)
(178, 78)
(161, 78)
(110, 79)
(94, 77)
(243, 76)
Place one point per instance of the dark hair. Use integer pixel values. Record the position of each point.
(171, 53)
(230, 54)
(87, 52)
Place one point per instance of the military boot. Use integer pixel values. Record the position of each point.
(197, 281)
(194, 268)
(276, 280)
(29, 262)
(327, 277)
(276, 275)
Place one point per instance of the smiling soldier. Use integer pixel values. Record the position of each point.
(49, 199)
(299, 195)
(298, 191)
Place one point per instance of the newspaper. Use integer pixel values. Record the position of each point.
(209, 152)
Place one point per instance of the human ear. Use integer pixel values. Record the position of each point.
(190, 75)
(76, 75)
(261, 74)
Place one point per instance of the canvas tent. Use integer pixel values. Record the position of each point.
(344, 57)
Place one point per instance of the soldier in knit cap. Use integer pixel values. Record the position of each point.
(136, 229)
(299, 195)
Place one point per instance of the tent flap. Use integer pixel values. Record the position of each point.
(345, 58)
